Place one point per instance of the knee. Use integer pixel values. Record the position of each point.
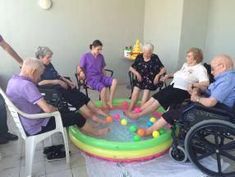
(103, 89)
(114, 82)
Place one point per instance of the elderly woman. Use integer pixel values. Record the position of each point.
(23, 92)
(73, 96)
(192, 74)
(148, 69)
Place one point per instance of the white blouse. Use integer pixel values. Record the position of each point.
(189, 75)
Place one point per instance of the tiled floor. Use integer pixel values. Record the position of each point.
(12, 160)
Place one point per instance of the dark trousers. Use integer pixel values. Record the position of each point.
(3, 117)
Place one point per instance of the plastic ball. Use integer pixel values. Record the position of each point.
(141, 132)
(149, 124)
(152, 119)
(133, 128)
(116, 116)
(136, 138)
(109, 119)
(123, 122)
(137, 110)
(156, 134)
(125, 105)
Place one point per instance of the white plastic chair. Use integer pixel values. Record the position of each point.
(32, 141)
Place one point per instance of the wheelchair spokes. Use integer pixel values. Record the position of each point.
(210, 145)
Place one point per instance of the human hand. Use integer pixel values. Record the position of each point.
(81, 75)
(139, 78)
(164, 78)
(194, 98)
(190, 89)
(72, 85)
(63, 84)
(156, 79)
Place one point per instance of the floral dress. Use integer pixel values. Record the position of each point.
(148, 70)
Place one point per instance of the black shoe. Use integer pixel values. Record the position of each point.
(56, 155)
(10, 137)
(50, 149)
(3, 140)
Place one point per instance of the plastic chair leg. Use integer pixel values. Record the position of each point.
(66, 146)
(29, 155)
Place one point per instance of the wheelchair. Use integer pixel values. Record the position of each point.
(206, 137)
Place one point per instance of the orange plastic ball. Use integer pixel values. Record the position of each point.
(109, 119)
(141, 132)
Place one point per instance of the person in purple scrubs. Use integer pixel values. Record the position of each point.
(91, 67)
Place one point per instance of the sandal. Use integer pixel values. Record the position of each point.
(50, 149)
(56, 155)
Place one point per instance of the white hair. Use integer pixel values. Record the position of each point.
(148, 46)
(32, 64)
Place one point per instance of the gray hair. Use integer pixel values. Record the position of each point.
(42, 52)
(30, 64)
(148, 46)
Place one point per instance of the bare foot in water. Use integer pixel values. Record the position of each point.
(110, 105)
(103, 131)
(131, 115)
(102, 113)
(98, 120)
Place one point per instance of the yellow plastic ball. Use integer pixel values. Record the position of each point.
(156, 134)
(123, 122)
(152, 119)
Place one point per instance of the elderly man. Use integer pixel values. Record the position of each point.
(23, 92)
(5, 136)
(221, 92)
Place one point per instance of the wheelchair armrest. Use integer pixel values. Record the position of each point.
(218, 109)
(110, 71)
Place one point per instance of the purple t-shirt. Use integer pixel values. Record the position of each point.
(92, 65)
(1, 39)
(25, 95)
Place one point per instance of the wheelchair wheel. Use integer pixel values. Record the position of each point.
(210, 146)
(178, 154)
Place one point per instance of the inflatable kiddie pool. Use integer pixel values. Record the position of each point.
(122, 144)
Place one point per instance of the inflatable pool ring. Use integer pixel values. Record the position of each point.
(135, 149)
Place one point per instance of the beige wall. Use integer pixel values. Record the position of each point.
(194, 27)
(68, 28)
(221, 28)
(162, 27)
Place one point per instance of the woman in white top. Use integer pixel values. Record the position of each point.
(192, 74)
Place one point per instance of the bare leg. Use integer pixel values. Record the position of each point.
(145, 97)
(148, 103)
(96, 110)
(112, 92)
(134, 98)
(103, 97)
(152, 107)
(89, 129)
(86, 112)
(156, 126)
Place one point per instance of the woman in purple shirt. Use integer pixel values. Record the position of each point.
(91, 67)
